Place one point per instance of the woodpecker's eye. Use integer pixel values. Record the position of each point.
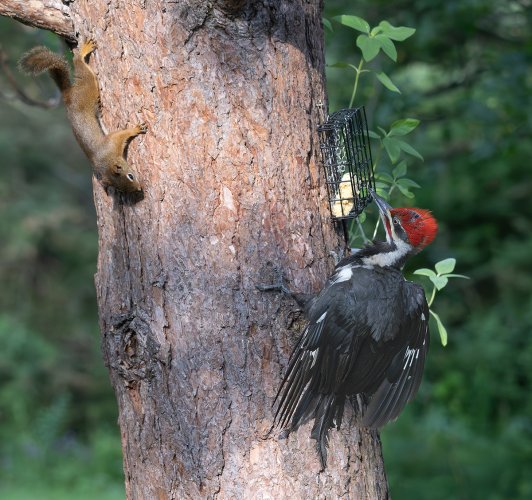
(395, 221)
(130, 177)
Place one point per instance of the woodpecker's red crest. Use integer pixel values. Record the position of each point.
(414, 226)
(419, 225)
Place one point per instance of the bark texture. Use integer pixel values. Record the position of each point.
(230, 91)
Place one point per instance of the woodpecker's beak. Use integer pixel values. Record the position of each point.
(383, 205)
(384, 210)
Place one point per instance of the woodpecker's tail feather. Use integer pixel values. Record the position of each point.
(326, 410)
(301, 397)
(329, 414)
(41, 59)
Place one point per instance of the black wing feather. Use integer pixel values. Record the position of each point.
(400, 386)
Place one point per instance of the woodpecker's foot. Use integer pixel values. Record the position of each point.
(278, 286)
(303, 300)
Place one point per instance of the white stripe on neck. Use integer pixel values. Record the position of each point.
(389, 258)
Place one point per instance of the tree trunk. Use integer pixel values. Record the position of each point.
(231, 92)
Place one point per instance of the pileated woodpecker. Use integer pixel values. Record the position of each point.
(367, 336)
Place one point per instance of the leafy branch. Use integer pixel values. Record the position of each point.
(370, 42)
(439, 280)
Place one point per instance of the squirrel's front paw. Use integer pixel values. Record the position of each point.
(142, 128)
(88, 47)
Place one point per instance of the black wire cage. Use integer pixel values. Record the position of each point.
(346, 154)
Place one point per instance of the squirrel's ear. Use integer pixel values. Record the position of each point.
(116, 169)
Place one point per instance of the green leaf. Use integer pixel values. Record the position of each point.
(387, 46)
(425, 272)
(408, 149)
(440, 282)
(445, 266)
(327, 24)
(392, 148)
(384, 176)
(373, 135)
(408, 183)
(385, 80)
(383, 132)
(400, 170)
(362, 217)
(381, 186)
(403, 127)
(406, 192)
(355, 22)
(398, 33)
(369, 47)
(441, 329)
(457, 276)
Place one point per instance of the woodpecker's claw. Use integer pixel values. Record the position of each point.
(279, 287)
(302, 299)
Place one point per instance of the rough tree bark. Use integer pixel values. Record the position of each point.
(231, 91)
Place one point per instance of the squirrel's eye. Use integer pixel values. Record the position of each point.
(130, 177)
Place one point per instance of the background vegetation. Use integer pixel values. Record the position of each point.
(58, 432)
(466, 75)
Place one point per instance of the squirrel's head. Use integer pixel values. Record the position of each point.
(123, 178)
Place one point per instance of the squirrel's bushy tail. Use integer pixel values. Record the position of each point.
(40, 59)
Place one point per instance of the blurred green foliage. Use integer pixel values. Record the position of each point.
(58, 432)
(466, 75)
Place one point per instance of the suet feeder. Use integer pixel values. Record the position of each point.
(346, 154)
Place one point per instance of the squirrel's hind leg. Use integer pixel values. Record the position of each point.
(85, 90)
